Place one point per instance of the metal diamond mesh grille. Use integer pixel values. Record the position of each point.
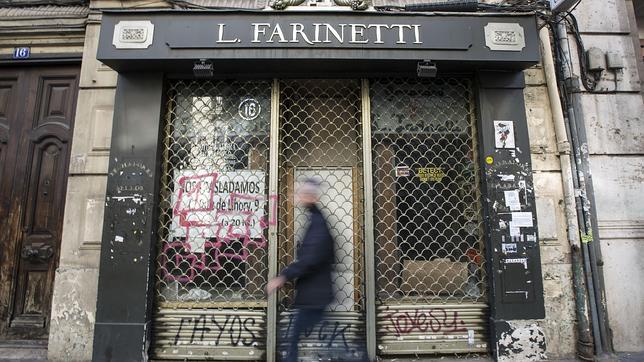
(214, 205)
(429, 245)
(320, 137)
(212, 259)
(215, 211)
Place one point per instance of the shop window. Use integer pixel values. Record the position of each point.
(426, 203)
(214, 199)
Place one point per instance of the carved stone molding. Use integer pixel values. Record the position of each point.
(354, 4)
(283, 4)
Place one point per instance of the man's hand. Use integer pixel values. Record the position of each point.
(275, 283)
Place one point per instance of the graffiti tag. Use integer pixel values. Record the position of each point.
(423, 320)
(233, 330)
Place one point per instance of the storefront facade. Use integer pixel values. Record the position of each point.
(427, 182)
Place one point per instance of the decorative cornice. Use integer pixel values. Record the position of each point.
(283, 4)
(354, 4)
(43, 19)
(621, 229)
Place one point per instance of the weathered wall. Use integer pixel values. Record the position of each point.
(559, 324)
(615, 131)
(47, 30)
(74, 302)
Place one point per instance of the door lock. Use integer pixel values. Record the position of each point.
(37, 252)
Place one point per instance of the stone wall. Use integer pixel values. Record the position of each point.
(74, 300)
(615, 130)
(559, 325)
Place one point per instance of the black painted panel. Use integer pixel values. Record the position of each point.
(228, 37)
(513, 250)
(125, 289)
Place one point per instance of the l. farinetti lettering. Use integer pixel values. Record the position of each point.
(324, 33)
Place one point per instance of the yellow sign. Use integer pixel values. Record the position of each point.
(489, 160)
(434, 174)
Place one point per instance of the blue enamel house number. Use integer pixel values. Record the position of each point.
(21, 53)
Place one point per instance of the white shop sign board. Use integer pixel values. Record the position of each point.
(228, 204)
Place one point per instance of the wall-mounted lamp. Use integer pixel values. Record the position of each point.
(203, 69)
(426, 69)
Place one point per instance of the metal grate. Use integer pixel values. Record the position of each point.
(320, 137)
(215, 212)
(212, 260)
(430, 272)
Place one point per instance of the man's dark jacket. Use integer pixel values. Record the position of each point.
(313, 265)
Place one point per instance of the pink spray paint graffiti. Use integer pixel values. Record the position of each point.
(438, 320)
(215, 226)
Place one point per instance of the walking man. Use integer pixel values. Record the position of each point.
(311, 269)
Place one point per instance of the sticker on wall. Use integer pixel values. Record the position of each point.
(509, 248)
(218, 204)
(433, 174)
(489, 160)
(523, 261)
(512, 200)
(402, 171)
(504, 134)
(515, 231)
(522, 219)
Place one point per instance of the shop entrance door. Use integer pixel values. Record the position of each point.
(320, 137)
(338, 185)
(37, 108)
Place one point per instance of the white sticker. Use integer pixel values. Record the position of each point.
(402, 171)
(507, 178)
(522, 219)
(119, 238)
(228, 204)
(509, 248)
(515, 231)
(523, 261)
(470, 337)
(504, 134)
(512, 200)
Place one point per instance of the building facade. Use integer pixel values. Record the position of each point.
(480, 177)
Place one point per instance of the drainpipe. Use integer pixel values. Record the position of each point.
(585, 200)
(584, 339)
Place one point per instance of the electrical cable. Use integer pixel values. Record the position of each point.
(589, 84)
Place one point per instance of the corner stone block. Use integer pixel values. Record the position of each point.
(539, 116)
(84, 207)
(92, 131)
(93, 72)
(614, 123)
(602, 16)
(535, 76)
(73, 315)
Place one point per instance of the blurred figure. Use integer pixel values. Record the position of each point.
(311, 269)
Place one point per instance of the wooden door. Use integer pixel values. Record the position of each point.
(37, 106)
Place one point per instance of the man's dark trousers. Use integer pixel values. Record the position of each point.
(305, 318)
